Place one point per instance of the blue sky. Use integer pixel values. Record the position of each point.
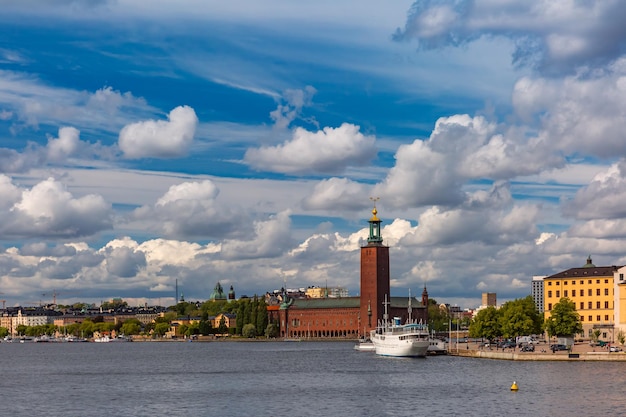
(144, 143)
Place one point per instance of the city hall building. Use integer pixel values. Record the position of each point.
(351, 317)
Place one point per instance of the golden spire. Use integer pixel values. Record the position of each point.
(374, 211)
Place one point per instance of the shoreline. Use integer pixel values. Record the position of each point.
(580, 352)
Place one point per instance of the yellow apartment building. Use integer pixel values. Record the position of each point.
(593, 292)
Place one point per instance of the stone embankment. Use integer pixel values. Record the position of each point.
(580, 352)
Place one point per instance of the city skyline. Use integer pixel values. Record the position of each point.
(242, 143)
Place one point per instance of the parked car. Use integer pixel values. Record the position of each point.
(558, 347)
(528, 348)
(506, 344)
(615, 349)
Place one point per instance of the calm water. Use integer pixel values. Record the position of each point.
(291, 379)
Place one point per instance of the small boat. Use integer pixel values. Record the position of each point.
(437, 347)
(365, 345)
(391, 338)
(44, 339)
(74, 339)
(108, 339)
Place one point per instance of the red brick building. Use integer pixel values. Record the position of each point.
(351, 317)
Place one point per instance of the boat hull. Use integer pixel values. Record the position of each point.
(365, 346)
(414, 349)
(403, 341)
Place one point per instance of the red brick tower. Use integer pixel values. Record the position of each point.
(374, 277)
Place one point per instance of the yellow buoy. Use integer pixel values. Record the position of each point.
(514, 386)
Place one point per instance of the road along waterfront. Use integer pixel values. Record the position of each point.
(579, 352)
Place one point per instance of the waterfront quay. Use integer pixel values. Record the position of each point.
(580, 352)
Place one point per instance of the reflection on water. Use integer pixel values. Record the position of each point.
(287, 378)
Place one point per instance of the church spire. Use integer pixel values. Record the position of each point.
(375, 237)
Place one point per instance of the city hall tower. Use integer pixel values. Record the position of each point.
(374, 276)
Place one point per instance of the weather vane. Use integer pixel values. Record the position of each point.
(374, 199)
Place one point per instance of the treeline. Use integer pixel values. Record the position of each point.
(251, 317)
(251, 321)
(85, 329)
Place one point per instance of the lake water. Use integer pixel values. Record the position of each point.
(291, 379)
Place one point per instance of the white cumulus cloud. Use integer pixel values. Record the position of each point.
(159, 138)
(49, 210)
(330, 150)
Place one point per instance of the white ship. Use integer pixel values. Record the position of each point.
(108, 339)
(391, 338)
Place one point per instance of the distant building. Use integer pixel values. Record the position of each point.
(24, 316)
(537, 292)
(592, 290)
(324, 292)
(489, 299)
(230, 320)
(218, 293)
(619, 289)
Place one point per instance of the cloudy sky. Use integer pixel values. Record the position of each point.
(202, 141)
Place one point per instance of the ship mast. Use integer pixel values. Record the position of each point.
(410, 309)
(386, 315)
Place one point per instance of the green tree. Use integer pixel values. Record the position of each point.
(222, 329)
(247, 313)
(261, 316)
(130, 327)
(166, 318)
(73, 329)
(213, 308)
(621, 337)
(486, 324)
(114, 304)
(438, 318)
(161, 328)
(520, 317)
(4, 332)
(595, 335)
(183, 329)
(249, 331)
(564, 319)
(205, 327)
(271, 330)
(87, 328)
(240, 315)
(21, 329)
(193, 328)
